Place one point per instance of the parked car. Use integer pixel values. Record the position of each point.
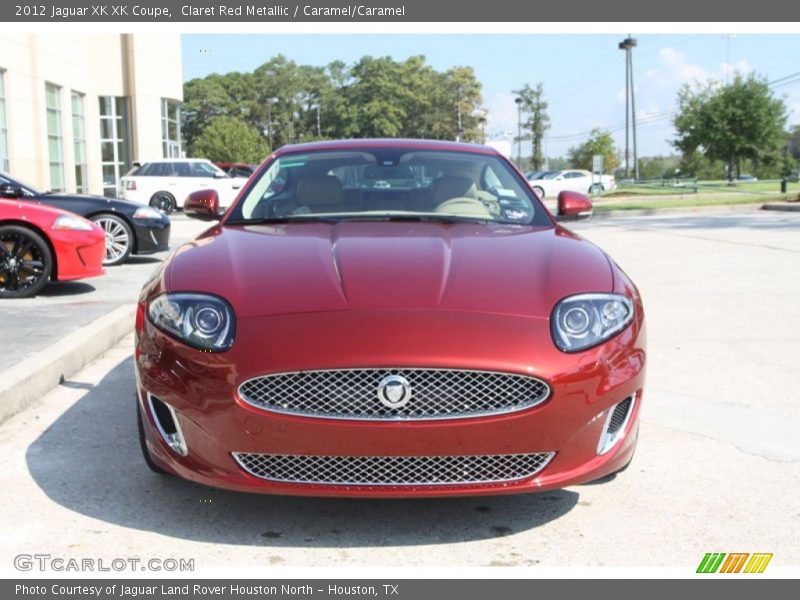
(130, 228)
(237, 169)
(747, 177)
(164, 184)
(40, 244)
(572, 180)
(401, 340)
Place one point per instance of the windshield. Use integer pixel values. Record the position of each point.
(389, 183)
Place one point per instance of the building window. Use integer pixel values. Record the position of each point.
(4, 163)
(54, 138)
(79, 142)
(114, 141)
(171, 128)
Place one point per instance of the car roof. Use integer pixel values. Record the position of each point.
(373, 143)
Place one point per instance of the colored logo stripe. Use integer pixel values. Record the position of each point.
(734, 562)
(758, 563)
(711, 562)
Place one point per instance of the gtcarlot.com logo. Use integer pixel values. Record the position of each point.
(48, 562)
(734, 562)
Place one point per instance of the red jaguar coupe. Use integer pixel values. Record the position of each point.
(40, 244)
(395, 318)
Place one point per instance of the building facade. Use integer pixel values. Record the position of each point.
(77, 110)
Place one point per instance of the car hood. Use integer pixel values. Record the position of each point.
(311, 267)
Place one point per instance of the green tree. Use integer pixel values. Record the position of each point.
(793, 148)
(731, 123)
(599, 142)
(534, 106)
(656, 167)
(230, 139)
(375, 97)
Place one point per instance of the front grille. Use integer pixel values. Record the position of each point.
(434, 393)
(393, 470)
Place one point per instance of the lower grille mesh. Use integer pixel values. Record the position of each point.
(620, 415)
(393, 470)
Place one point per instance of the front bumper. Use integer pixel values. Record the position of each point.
(152, 235)
(215, 422)
(78, 254)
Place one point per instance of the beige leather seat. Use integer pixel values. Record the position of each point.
(322, 193)
(451, 186)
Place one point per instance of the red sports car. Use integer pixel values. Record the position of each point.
(398, 318)
(40, 244)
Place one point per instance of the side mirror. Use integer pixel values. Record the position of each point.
(9, 190)
(573, 206)
(221, 175)
(202, 205)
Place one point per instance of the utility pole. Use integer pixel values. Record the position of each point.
(319, 123)
(270, 102)
(627, 45)
(519, 132)
(458, 110)
(728, 37)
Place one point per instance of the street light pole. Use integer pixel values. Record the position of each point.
(519, 132)
(319, 123)
(630, 106)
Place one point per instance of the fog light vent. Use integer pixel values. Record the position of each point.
(616, 422)
(167, 424)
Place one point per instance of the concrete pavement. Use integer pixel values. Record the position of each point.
(49, 337)
(717, 468)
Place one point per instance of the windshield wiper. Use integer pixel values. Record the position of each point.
(281, 220)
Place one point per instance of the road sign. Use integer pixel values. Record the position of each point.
(597, 163)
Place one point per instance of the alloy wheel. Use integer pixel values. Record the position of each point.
(24, 262)
(118, 239)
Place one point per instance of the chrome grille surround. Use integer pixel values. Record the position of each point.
(393, 470)
(352, 393)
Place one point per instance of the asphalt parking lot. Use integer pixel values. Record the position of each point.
(717, 466)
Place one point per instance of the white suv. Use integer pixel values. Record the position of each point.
(164, 184)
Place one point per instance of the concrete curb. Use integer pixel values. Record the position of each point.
(26, 382)
(782, 206)
(652, 212)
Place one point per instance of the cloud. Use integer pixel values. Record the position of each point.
(674, 69)
(502, 115)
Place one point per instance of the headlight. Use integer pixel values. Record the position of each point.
(147, 212)
(74, 223)
(585, 320)
(203, 321)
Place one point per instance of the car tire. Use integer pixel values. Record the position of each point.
(119, 238)
(23, 252)
(539, 191)
(143, 443)
(163, 201)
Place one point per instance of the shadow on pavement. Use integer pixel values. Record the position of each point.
(66, 288)
(88, 461)
(143, 260)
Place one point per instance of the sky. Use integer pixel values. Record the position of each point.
(583, 75)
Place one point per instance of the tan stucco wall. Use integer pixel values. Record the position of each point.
(143, 67)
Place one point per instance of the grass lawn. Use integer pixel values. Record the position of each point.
(686, 202)
(720, 187)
